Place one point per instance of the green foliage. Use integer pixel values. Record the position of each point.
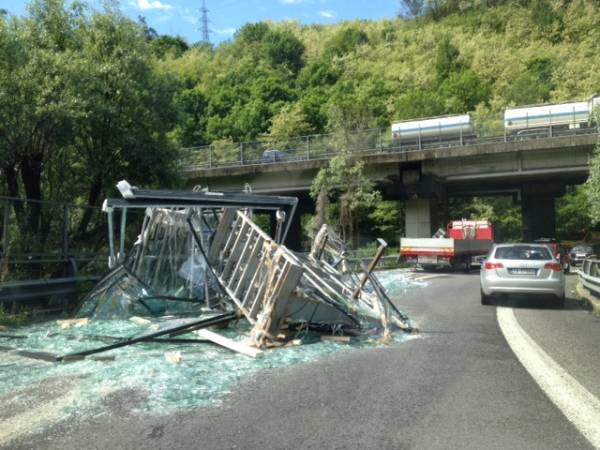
(447, 59)
(572, 213)
(593, 187)
(463, 91)
(81, 107)
(13, 319)
(290, 122)
(534, 85)
(345, 181)
(387, 220)
(346, 41)
(166, 45)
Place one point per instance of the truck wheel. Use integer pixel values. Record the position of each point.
(468, 264)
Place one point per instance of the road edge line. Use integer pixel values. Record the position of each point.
(578, 405)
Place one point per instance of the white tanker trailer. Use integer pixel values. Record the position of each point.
(570, 115)
(435, 128)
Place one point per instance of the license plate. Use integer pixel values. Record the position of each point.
(427, 259)
(522, 271)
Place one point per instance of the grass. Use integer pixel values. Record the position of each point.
(13, 319)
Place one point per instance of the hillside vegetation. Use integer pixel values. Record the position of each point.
(286, 79)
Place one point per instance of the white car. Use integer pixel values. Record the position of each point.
(529, 269)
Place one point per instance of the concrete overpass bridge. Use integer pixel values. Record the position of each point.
(534, 169)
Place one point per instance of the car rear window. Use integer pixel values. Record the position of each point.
(526, 252)
(583, 249)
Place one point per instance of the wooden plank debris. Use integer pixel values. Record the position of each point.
(68, 323)
(140, 321)
(230, 344)
(340, 339)
(173, 357)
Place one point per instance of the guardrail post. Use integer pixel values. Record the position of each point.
(121, 254)
(210, 156)
(461, 137)
(307, 147)
(241, 153)
(65, 225)
(380, 141)
(5, 225)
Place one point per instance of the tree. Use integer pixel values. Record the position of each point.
(387, 220)
(572, 213)
(289, 122)
(447, 59)
(411, 8)
(164, 45)
(345, 41)
(344, 180)
(81, 107)
(593, 186)
(463, 91)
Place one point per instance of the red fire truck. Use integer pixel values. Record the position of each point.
(462, 240)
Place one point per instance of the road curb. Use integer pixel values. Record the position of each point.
(590, 298)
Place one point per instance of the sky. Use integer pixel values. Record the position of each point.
(182, 17)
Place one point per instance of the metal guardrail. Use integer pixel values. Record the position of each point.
(22, 291)
(589, 275)
(325, 146)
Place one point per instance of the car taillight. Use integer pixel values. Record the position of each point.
(553, 266)
(493, 266)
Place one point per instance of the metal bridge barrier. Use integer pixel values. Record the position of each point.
(22, 291)
(589, 275)
(378, 140)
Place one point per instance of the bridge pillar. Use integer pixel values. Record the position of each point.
(420, 217)
(539, 217)
(537, 209)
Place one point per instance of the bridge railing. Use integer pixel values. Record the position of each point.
(325, 146)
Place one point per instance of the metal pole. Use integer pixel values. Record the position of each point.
(420, 146)
(65, 249)
(121, 254)
(242, 154)
(380, 140)
(210, 156)
(5, 225)
(461, 137)
(111, 244)
(380, 250)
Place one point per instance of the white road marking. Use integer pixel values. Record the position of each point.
(578, 405)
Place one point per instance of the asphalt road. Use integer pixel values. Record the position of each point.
(457, 386)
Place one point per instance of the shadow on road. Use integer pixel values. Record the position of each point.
(527, 302)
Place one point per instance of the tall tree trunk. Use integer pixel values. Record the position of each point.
(31, 175)
(92, 200)
(12, 186)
